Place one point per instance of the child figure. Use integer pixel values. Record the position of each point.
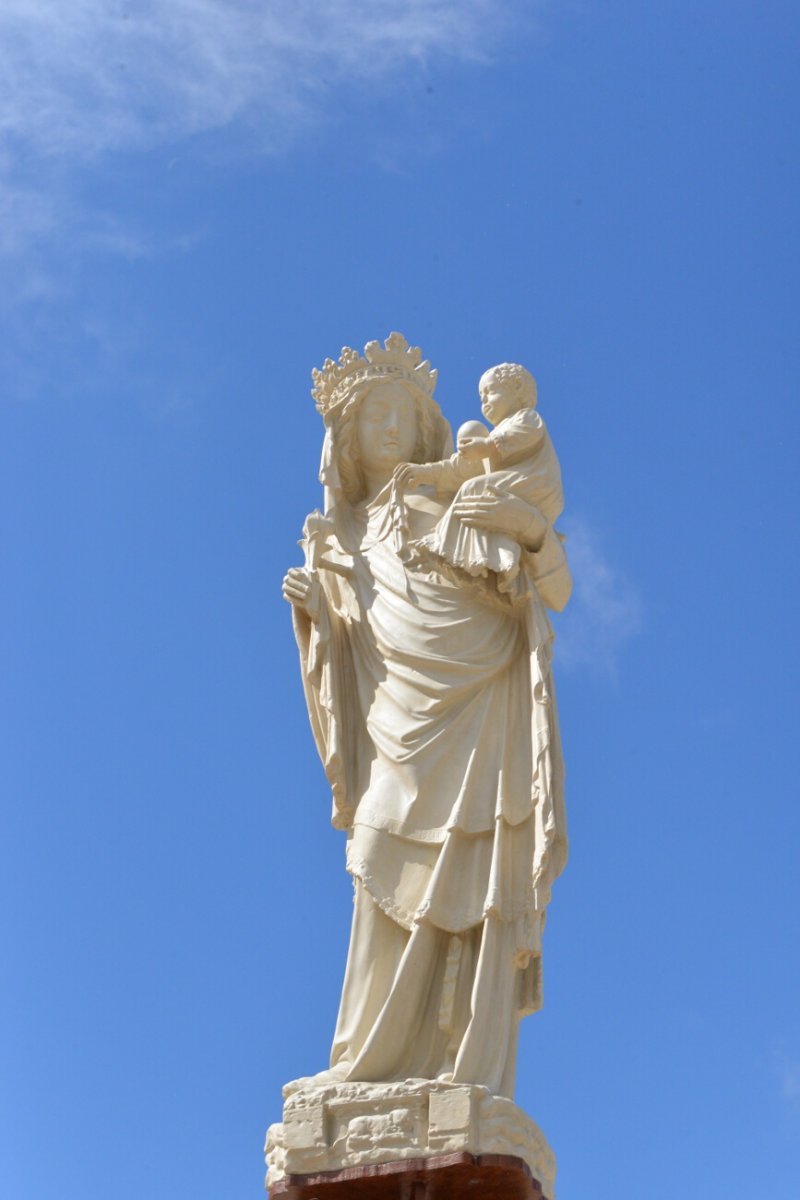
(516, 459)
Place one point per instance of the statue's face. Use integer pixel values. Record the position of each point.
(387, 428)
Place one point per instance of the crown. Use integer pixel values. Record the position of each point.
(395, 359)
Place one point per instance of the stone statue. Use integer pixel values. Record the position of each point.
(426, 650)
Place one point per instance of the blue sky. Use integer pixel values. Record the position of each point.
(199, 201)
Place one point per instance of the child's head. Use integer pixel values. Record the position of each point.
(504, 390)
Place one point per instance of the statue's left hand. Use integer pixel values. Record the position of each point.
(505, 514)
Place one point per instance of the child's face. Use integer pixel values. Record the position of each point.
(499, 399)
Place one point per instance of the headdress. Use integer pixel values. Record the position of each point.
(335, 382)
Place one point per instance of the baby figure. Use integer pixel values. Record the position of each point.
(515, 459)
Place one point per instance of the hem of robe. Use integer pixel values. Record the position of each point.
(381, 824)
(413, 883)
(425, 1004)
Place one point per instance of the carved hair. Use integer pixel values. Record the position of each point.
(431, 432)
(522, 382)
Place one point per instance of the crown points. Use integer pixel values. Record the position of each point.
(335, 381)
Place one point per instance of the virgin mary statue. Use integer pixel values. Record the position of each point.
(432, 707)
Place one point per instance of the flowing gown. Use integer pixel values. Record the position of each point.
(434, 715)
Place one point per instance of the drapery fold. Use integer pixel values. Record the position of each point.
(435, 719)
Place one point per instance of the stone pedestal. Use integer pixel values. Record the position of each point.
(445, 1177)
(351, 1138)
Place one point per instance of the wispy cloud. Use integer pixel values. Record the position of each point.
(605, 610)
(789, 1074)
(83, 79)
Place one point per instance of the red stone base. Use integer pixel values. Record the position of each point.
(445, 1177)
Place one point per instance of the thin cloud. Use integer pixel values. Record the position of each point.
(789, 1073)
(97, 74)
(83, 79)
(784, 1066)
(604, 612)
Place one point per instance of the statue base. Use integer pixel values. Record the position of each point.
(394, 1139)
(445, 1177)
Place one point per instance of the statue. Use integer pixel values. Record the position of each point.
(516, 459)
(425, 648)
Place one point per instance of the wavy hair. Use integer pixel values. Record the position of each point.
(433, 436)
(522, 382)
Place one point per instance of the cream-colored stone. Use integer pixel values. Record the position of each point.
(450, 1112)
(364, 1123)
(426, 651)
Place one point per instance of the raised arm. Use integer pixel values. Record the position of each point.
(445, 476)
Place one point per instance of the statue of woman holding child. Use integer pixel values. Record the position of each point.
(426, 659)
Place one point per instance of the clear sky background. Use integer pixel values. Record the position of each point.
(199, 201)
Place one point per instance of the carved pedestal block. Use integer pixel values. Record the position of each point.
(346, 1138)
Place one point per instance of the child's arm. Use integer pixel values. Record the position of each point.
(414, 475)
(445, 476)
(475, 449)
(521, 434)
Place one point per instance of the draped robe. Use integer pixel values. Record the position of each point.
(433, 711)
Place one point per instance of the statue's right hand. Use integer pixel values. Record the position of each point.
(302, 591)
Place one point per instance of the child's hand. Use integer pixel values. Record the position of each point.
(473, 447)
(413, 475)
